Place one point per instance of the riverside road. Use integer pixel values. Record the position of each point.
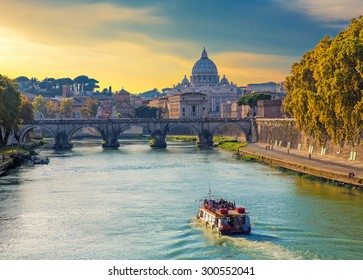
(340, 167)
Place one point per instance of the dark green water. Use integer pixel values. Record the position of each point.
(139, 203)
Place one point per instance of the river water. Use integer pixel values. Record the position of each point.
(140, 203)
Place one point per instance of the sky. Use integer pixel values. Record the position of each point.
(144, 44)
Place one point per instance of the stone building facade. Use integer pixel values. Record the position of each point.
(189, 105)
(123, 104)
(269, 108)
(162, 105)
(231, 110)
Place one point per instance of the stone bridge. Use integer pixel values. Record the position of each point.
(110, 129)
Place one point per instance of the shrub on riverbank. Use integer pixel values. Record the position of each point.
(248, 158)
(8, 151)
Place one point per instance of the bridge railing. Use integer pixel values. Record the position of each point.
(132, 120)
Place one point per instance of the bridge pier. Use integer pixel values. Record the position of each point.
(157, 140)
(62, 142)
(110, 133)
(111, 142)
(205, 139)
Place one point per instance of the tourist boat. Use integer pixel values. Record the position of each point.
(224, 217)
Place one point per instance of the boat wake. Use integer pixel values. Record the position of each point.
(253, 246)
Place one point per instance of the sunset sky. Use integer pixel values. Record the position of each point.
(145, 44)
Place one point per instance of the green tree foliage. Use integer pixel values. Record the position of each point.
(83, 83)
(10, 107)
(325, 89)
(251, 99)
(26, 113)
(66, 107)
(146, 112)
(40, 104)
(22, 79)
(51, 109)
(90, 109)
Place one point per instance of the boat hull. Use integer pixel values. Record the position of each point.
(229, 223)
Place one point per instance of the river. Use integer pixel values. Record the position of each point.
(140, 203)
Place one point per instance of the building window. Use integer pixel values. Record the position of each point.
(183, 110)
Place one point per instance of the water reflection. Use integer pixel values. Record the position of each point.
(139, 203)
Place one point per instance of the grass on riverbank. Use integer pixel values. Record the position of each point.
(225, 143)
(182, 138)
(7, 151)
(28, 147)
(247, 158)
(228, 143)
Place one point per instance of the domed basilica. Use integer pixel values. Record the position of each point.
(205, 80)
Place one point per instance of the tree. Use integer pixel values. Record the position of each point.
(40, 104)
(10, 107)
(91, 85)
(146, 112)
(66, 107)
(90, 109)
(80, 82)
(325, 89)
(51, 109)
(26, 113)
(251, 99)
(22, 79)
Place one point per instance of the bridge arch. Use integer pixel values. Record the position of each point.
(25, 130)
(129, 125)
(78, 127)
(238, 126)
(175, 125)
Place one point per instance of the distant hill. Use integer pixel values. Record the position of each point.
(154, 93)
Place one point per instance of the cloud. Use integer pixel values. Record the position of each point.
(141, 46)
(73, 23)
(327, 10)
(100, 40)
(243, 67)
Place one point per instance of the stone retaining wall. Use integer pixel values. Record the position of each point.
(283, 132)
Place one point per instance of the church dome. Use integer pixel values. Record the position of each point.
(185, 81)
(204, 65)
(224, 80)
(204, 72)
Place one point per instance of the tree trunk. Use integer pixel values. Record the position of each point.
(4, 136)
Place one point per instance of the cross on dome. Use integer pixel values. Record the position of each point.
(204, 53)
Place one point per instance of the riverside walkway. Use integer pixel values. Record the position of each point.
(328, 167)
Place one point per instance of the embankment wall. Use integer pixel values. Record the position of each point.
(284, 133)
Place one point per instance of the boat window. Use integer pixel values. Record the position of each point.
(201, 214)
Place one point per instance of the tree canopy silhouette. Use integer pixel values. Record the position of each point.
(10, 108)
(325, 89)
